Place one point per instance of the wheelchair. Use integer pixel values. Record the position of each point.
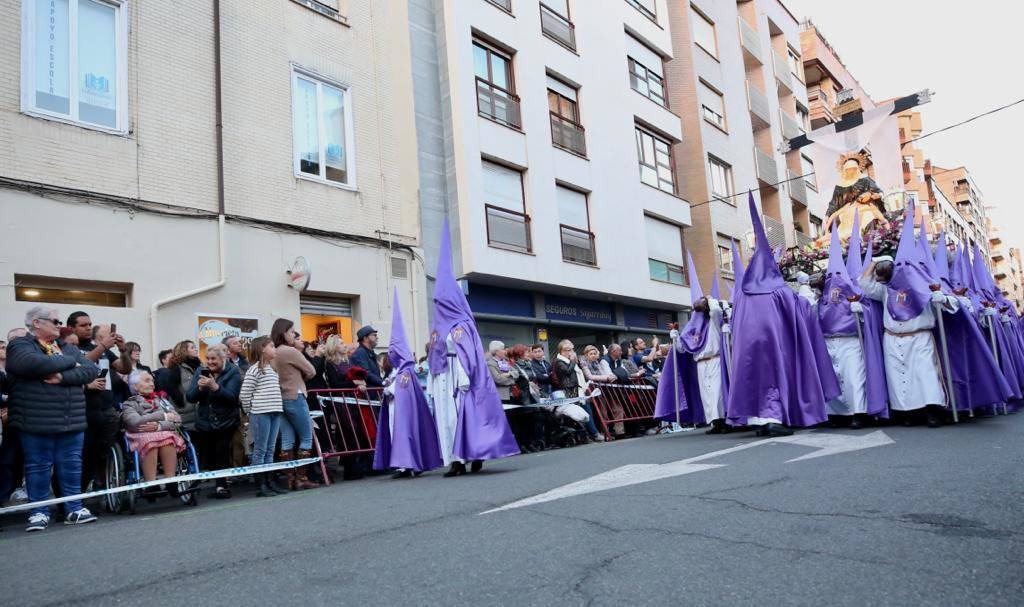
(124, 467)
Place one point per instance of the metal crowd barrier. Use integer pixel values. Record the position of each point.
(620, 403)
(349, 422)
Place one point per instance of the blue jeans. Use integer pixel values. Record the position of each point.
(296, 425)
(591, 426)
(42, 453)
(265, 427)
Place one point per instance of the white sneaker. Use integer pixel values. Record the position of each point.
(38, 522)
(19, 495)
(80, 517)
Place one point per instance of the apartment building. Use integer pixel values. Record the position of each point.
(548, 140)
(166, 165)
(958, 186)
(1014, 290)
(737, 82)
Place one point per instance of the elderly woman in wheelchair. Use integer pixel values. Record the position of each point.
(152, 428)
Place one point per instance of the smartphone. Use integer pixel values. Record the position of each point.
(206, 373)
(113, 328)
(103, 374)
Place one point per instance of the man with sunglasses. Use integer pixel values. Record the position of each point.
(47, 407)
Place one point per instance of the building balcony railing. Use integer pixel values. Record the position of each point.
(578, 246)
(497, 104)
(757, 103)
(775, 232)
(568, 135)
(790, 127)
(782, 73)
(767, 172)
(750, 41)
(557, 27)
(508, 229)
(803, 240)
(997, 255)
(797, 187)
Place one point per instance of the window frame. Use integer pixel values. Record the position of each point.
(670, 268)
(795, 61)
(589, 231)
(27, 79)
(714, 32)
(643, 10)
(724, 254)
(727, 174)
(639, 132)
(498, 4)
(810, 181)
(724, 124)
(489, 205)
(574, 121)
(493, 50)
(349, 120)
(631, 62)
(566, 18)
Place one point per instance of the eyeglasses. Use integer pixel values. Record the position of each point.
(52, 321)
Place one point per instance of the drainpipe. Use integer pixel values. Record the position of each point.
(222, 275)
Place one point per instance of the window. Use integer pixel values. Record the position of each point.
(807, 170)
(505, 5)
(649, 8)
(723, 247)
(71, 291)
(577, 239)
(322, 127)
(646, 71)
(655, 156)
(704, 32)
(74, 55)
(555, 23)
(804, 117)
(712, 105)
(508, 225)
(566, 130)
(815, 227)
(796, 66)
(664, 251)
(721, 180)
(495, 91)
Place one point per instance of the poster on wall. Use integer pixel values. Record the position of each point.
(213, 328)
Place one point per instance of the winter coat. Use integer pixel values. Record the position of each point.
(217, 410)
(41, 408)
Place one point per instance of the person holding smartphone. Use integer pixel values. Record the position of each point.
(215, 390)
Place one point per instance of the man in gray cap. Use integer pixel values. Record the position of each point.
(365, 357)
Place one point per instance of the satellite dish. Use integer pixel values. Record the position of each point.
(299, 274)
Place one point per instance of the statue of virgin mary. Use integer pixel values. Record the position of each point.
(855, 194)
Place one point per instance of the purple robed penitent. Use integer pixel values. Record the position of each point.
(1010, 357)
(482, 431)
(779, 354)
(413, 443)
(910, 286)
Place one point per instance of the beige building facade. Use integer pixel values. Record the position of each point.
(162, 164)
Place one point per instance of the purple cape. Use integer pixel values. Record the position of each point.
(414, 444)
(779, 354)
(482, 431)
(695, 334)
(909, 291)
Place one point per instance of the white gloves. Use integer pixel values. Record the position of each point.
(802, 278)
(938, 297)
(988, 312)
(726, 328)
(966, 304)
(856, 307)
(674, 334)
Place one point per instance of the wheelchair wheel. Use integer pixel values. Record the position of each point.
(186, 490)
(115, 474)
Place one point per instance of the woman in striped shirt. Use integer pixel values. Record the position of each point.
(261, 400)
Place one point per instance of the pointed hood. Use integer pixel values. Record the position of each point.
(399, 352)
(982, 277)
(450, 306)
(834, 312)
(854, 263)
(716, 292)
(927, 261)
(762, 275)
(695, 334)
(909, 289)
(869, 254)
(956, 270)
(696, 293)
(737, 272)
(941, 259)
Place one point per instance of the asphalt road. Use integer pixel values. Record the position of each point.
(935, 518)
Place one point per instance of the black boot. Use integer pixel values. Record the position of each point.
(858, 421)
(264, 489)
(402, 474)
(777, 430)
(476, 466)
(932, 416)
(717, 427)
(456, 469)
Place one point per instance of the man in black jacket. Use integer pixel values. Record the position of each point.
(541, 369)
(47, 406)
(365, 357)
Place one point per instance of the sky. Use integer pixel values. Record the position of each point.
(969, 54)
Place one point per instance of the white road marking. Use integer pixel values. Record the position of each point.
(635, 474)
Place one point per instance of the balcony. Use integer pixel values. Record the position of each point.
(750, 41)
(568, 135)
(997, 255)
(757, 103)
(797, 187)
(497, 104)
(558, 28)
(790, 127)
(782, 73)
(961, 193)
(508, 230)
(803, 240)
(775, 232)
(767, 172)
(578, 246)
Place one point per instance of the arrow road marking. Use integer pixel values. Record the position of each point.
(635, 474)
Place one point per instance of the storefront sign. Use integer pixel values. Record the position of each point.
(213, 329)
(579, 310)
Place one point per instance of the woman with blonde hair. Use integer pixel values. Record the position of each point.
(184, 364)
